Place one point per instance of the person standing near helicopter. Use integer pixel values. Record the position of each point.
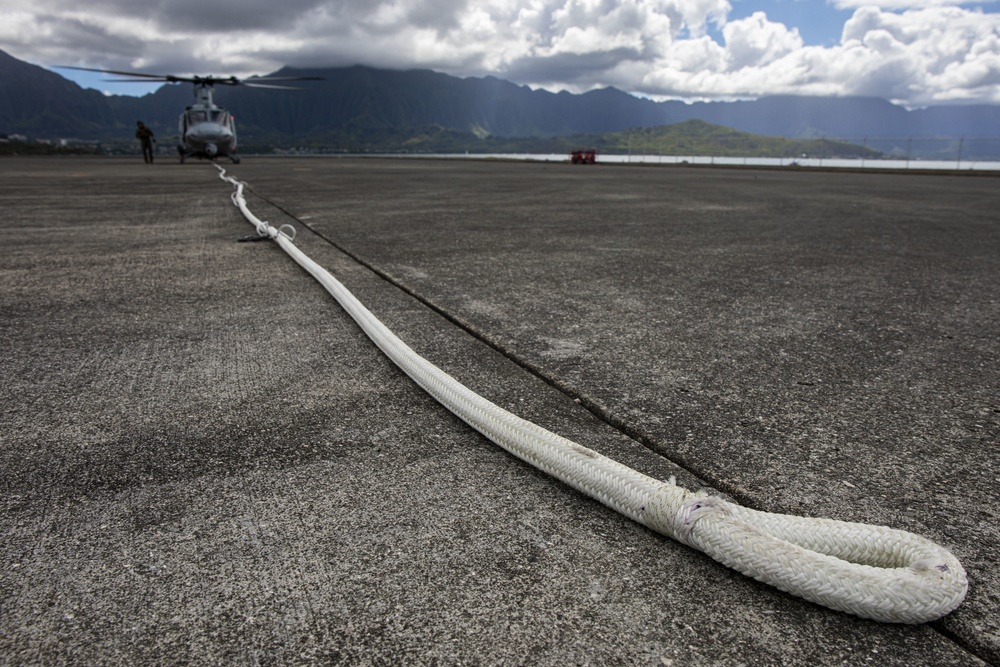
(145, 135)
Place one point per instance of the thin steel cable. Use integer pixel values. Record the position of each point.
(871, 571)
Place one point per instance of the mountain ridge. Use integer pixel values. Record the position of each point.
(361, 99)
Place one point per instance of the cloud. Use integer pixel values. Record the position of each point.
(912, 51)
(755, 41)
(927, 55)
(899, 5)
(917, 57)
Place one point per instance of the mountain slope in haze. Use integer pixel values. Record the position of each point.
(38, 102)
(367, 98)
(363, 101)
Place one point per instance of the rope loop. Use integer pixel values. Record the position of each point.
(871, 571)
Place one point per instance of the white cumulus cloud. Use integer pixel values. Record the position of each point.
(755, 41)
(912, 51)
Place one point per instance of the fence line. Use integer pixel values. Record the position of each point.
(962, 152)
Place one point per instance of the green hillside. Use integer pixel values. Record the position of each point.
(696, 137)
(691, 137)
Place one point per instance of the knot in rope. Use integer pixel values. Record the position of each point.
(264, 228)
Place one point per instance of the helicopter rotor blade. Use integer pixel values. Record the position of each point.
(284, 78)
(163, 77)
(267, 85)
(253, 82)
(170, 78)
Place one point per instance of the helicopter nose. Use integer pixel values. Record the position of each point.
(211, 150)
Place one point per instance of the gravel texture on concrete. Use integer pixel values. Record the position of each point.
(204, 461)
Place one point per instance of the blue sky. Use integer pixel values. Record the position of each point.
(104, 83)
(912, 52)
(818, 22)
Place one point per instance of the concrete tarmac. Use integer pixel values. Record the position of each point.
(204, 460)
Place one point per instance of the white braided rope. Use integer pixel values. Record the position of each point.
(870, 571)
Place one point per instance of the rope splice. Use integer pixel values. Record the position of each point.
(873, 572)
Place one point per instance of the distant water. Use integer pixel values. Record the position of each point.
(741, 161)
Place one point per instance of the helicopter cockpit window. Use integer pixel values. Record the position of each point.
(195, 117)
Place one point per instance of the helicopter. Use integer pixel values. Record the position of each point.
(205, 130)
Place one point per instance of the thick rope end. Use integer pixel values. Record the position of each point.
(836, 564)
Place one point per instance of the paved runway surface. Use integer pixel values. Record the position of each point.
(204, 461)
